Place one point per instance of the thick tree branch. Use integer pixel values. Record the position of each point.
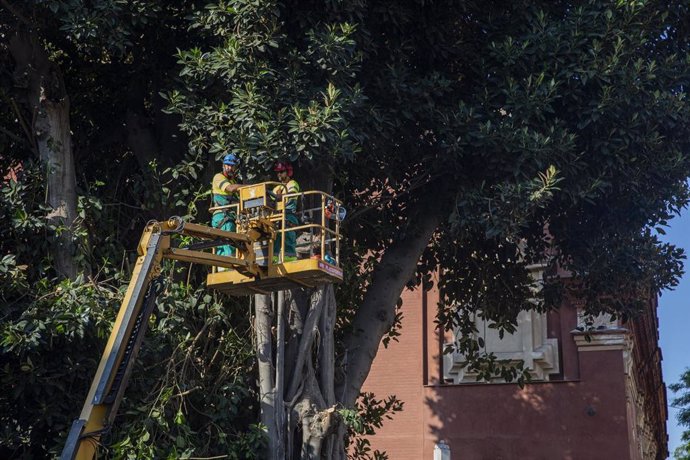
(326, 358)
(317, 419)
(327, 349)
(47, 98)
(304, 351)
(264, 354)
(298, 300)
(279, 401)
(377, 312)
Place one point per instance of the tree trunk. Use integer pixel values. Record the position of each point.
(47, 100)
(264, 355)
(297, 399)
(279, 407)
(326, 363)
(377, 313)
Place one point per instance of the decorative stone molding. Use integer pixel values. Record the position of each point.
(604, 335)
(599, 322)
(600, 333)
(616, 338)
(643, 433)
(529, 344)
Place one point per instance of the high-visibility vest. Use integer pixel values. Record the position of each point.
(220, 196)
(291, 187)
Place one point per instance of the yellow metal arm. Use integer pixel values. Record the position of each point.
(113, 370)
(130, 325)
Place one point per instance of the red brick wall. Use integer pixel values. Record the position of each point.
(398, 370)
(583, 415)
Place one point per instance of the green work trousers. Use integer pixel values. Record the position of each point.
(291, 220)
(224, 221)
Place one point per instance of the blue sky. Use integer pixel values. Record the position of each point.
(674, 319)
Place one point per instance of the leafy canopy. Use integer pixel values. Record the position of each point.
(536, 133)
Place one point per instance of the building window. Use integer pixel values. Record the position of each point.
(529, 343)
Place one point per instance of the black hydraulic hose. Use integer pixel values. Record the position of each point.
(135, 339)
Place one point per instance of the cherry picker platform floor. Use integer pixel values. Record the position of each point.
(288, 275)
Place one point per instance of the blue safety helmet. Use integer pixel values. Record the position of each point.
(231, 159)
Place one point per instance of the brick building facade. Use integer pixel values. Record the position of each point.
(602, 398)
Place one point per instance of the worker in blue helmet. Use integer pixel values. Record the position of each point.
(224, 189)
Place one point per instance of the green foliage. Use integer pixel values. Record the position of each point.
(519, 119)
(89, 24)
(49, 337)
(23, 211)
(195, 377)
(114, 57)
(682, 403)
(250, 92)
(368, 416)
(193, 380)
(682, 452)
(192, 377)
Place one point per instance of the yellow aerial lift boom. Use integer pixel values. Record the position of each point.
(254, 269)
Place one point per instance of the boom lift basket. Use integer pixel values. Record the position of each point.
(320, 218)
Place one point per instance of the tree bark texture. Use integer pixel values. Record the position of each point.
(264, 354)
(48, 103)
(296, 387)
